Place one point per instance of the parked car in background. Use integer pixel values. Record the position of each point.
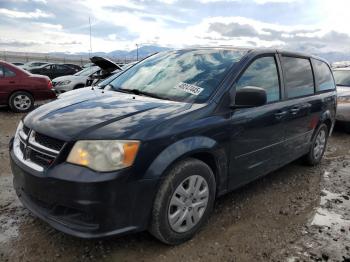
(70, 82)
(76, 67)
(101, 83)
(32, 64)
(172, 133)
(17, 63)
(342, 79)
(53, 70)
(20, 89)
(88, 65)
(107, 66)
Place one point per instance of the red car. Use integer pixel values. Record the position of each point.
(19, 89)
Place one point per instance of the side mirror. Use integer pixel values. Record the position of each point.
(250, 96)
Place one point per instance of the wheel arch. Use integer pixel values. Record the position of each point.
(199, 147)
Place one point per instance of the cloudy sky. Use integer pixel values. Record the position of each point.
(63, 25)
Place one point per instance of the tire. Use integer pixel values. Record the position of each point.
(164, 208)
(318, 146)
(21, 102)
(347, 127)
(78, 86)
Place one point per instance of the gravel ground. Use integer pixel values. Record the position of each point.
(297, 213)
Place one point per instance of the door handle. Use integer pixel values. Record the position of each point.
(280, 114)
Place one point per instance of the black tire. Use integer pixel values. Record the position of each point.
(78, 86)
(311, 158)
(160, 226)
(14, 104)
(347, 127)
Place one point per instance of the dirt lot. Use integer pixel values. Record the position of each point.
(297, 213)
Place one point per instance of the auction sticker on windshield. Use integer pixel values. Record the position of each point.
(188, 88)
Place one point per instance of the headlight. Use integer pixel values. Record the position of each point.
(63, 83)
(343, 99)
(104, 155)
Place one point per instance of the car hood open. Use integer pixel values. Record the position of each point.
(105, 63)
(85, 113)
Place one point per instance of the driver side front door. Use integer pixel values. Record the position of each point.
(257, 134)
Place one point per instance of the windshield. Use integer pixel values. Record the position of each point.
(185, 75)
(342, 77)
(87, 71)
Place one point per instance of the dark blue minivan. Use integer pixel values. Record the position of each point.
(156, 147)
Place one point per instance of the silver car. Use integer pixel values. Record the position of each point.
(67, 83)
(342, 79)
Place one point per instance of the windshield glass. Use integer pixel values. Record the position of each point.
(87, 71)
(185, 75)
(342, 77)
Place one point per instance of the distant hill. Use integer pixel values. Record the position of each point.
(120, 54)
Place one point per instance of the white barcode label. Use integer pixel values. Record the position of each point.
(188, 88)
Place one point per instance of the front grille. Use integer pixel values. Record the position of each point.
(38, 150)
(40, 159)
(26, 130)
(49, 141)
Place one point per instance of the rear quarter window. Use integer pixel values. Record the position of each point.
(323, 74)
(298, 76)
(8, 72)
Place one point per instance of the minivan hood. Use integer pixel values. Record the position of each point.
(80, 116)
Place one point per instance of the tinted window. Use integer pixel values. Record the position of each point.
(262, 73)
(342, 77)
(8, 72)
(61, 68)
(184, 75)
(298, 76)
(324, 76)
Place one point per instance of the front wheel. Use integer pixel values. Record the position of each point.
(184, 202)
(21, 102)
(318, 146)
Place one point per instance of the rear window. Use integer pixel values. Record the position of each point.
(324, 76)
(299, 79)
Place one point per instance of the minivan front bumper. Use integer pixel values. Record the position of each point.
(90, 209)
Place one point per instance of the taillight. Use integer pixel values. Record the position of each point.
(49, 84)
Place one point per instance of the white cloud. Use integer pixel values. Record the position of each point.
(19, 14)
(275, 1)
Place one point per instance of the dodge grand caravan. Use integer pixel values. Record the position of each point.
(156, 147)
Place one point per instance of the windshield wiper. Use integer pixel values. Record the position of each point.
(139, 92)
(342, 85)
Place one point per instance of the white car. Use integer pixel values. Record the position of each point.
(67, 83)
(342, 79)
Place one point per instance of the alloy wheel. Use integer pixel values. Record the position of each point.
(320, 144)
(22, 102)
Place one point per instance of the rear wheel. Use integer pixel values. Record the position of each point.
(78, 86)
(183, 202)
(347, 127)
(21, 102)
(318, 146)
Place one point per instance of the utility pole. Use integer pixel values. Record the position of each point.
(90, 39)
(137, 52)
